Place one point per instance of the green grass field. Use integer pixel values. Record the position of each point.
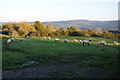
(51, 52)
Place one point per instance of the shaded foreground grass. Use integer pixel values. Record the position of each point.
(50, 52)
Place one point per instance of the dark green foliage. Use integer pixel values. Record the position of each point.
(76, 33)
(6, 32)
(16, 28)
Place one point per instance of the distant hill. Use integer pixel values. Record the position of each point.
(3, 23)
(82, 24)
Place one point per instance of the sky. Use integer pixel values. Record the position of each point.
(57, 10)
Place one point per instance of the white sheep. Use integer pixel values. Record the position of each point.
(22, 39)
(27, 36)
(86, 42)
(44, 37)
(116, 43)
(12, 39)
(57, 40)
(102, 42)
(66, 40)
(75, 40)
(9, 40)
(80, 41)
(49, 38)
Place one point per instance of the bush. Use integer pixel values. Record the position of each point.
(21, 33)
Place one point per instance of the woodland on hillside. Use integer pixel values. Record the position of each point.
(23, 29)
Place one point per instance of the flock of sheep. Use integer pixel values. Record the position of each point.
(10, 40)
(82, 41)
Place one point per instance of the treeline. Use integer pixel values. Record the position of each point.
(37, 29)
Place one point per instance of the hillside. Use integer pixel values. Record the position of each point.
(81, 24)
(84, 24)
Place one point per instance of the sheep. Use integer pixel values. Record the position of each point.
(66, 40)
(116, 43)
(12, 39)
(44, 37)
(57, 40)
(80, 41)
(102, 42)
(86, 42)
(27, 37)
(49, 38)
(75, 40)
(9, 40)
(22, 39)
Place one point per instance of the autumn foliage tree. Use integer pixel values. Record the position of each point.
(49, 29)
(12, 32)
(40, 28)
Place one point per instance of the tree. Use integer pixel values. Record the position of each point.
(99, 30)
(39, 27)
(24, 28)
(96, 34)
(105, 33)
(49, 29)
(108, 34)
(21, 33)
(71, 29)
(12, 32)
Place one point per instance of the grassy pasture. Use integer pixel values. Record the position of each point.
(51, 52)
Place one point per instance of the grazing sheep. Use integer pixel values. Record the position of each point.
(27, 37)
(57, 40)
(66, 40)
(86, 42)
(75, 40)
(80, 41)
(22, 39)
(12, 39)
(102, 42)
(116, 43)
(44, 37)
(9, 40)
(49, 38)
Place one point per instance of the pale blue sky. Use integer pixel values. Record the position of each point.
(56, 10)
